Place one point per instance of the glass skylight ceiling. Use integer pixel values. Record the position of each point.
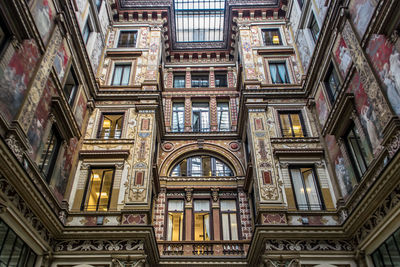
(199, 20)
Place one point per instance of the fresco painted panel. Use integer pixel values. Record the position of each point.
(44, 13)
(361, 12)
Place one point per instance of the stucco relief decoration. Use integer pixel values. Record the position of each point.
(274, 218)
(308, 245)
(133, 219)
(99, 245)
(249, 66)
(167, 146)
(234, 146)
(386, 61)
(263, 156)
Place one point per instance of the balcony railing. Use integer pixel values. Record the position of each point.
(227, 248)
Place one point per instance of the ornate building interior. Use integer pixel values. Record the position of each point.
(199, 133)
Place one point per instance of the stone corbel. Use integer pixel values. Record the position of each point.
(188, 194)
(215, 194)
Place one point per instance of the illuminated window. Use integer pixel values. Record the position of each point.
(388, 254)
(279, 73)
(314, 28)
(305, 186)
(199, 80)
(201, 211)
(71, 87)
(179, 81)
(357, 153)
(223, 116)
(175, 220)
(220, 80)
(332, 83)
(121, 74)
(178, 117)
(272, 37)
(200, 117)
(111, 126)
(201, 166)
(50, 153)
(127, 39)
(98, 190)
(292, 124)
(13, 250)
(229, 220)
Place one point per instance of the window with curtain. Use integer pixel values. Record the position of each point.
(201, 166)
(332, 83)
(229, 220)
(220, 79)
(292, 124)
(272, 37)
(98, 189)
(357, 152)
(13, 250)
(306, 188)
(199, 80)
(200, 117)
(71, 87)
(179, 81)
(127, 39)
(223, 116)
(314, 28)
(50, 153)
(111, 126)
(178, 117)
(175, 220)
(388, 253)
(279, 73)
(201, 214)
(121, 74)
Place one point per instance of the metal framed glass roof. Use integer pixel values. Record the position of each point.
(199, 20)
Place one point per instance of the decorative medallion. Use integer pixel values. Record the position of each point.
(167, 146)
(234, 146)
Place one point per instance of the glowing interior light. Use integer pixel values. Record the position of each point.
(275, 39)
(106, 124)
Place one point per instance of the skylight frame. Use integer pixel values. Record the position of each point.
(191, 15)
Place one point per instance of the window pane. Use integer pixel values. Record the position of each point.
(104, 194)
(223, 116)
(175, 205)
(299, 189)
(178, 119)
(272, 37)
(201, 166)
(376, 257)
(311, 188)
(175, 223)
(393, 251)
(285, 123)
(225, 226)
(202, 226)
(234, 227)
(117, 75)
(356, 151)
(228, 205)
(127, 39)
(111, 126)
(71, 86)
(385, 256)
(16, 254)
(201, 205)
(126, 75)
(296, 125)
(220, 80)
(7, 247)
(98, 192)
(179, 81)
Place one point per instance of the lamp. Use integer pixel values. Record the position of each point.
(275, 39)
(106, 124)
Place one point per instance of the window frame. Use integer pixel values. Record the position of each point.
(218, 117)
(221, 74)
(200, 78)
(311, 26)
(121, 32)
(211, 222)
(88, 180)
(264, 32)
(350, 151)
(332, 72)
(74, 92)
(121, 64)
(180, 75)
(276, 64)
(395, 236)
(201, 128)
(54, 156)
(318, 188)
(100, 128)
(89, 26)
(302, 123)
(229, 220)
(189, 170)
(167, 216)
(174, 104)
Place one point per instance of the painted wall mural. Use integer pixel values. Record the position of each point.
(366, 112)
(37, 131)
(361, 12)
(44, 13)
(342, 56)
(321, 105)
(15, 77)
(344, 172)
(61, 60)
(386, 61)
(80, 109)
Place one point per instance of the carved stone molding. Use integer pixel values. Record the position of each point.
(308, 245)
(98, 245)
(188, 194)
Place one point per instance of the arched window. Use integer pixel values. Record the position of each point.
(201, 166)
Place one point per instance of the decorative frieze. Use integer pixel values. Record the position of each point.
(98, 245)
